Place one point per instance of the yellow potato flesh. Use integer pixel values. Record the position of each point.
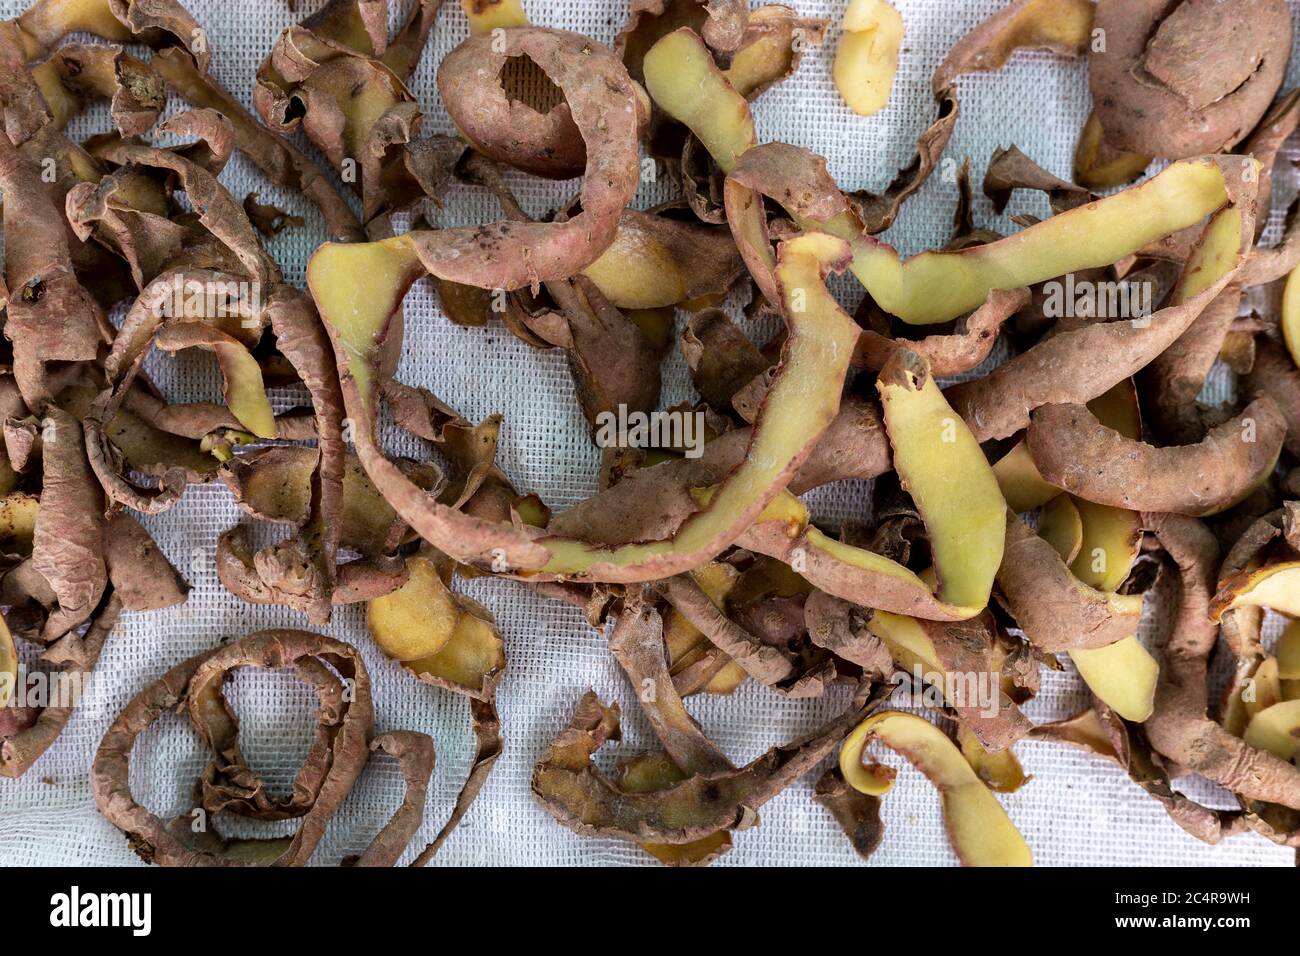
(418, 619)
(1291, 314)
(1288, 652)
(1276, 587)
(1117, 170)
(980, 830)
(943, 468)
(1265, 689)
(768, 58)
(8, 665)
(359, 312)
(1277, 730)
(867, 58)
(682, 78)
(1061, 527)
(938, 286)
(245, 389)
(1122, 674)
(473, 651)
(1111, 539)
(804, 395)
(637, 272)
(908, 644)
(1001, 771)
(488, 15)
(1022, 485)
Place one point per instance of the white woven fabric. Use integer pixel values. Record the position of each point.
(1075, 811)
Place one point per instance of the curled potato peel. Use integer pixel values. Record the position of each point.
(1075, 451)
(979, 829)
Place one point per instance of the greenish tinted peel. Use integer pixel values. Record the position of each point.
(1123, 675)
(938, 286)
(979, 829)
(682, 78)
(942, 467)
(802, 401)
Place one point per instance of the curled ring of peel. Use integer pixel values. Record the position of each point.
(339, 752)
(979, 829)
(867, 58)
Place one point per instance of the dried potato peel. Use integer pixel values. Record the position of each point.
(1015, 515)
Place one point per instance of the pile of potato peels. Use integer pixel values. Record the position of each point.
(1018, 517)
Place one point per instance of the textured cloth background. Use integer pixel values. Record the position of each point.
(1076, 810)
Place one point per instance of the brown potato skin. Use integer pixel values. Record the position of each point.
(1074, 450)
(1191, 43)
(508, 131)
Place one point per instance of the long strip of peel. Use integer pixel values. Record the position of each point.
(935, 287)
(803, 399)
(801, 403)
(979, 829)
